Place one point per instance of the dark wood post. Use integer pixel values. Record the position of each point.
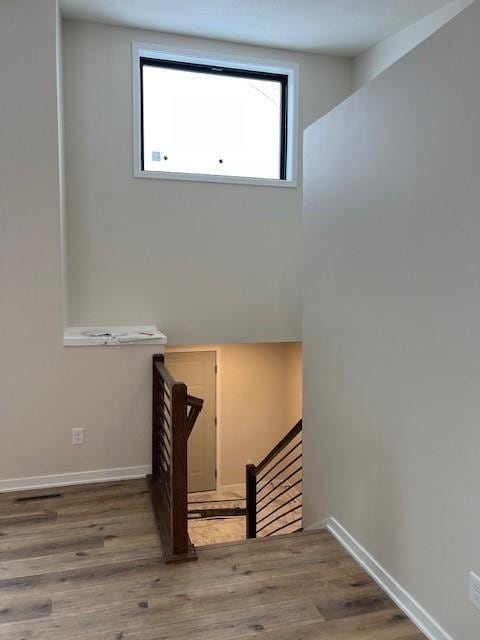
(179, 534)
(251, 495)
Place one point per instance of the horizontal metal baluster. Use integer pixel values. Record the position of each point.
(279, 448)
(165, 459)
(298, 495)
(264, 475)
(282, 515)
(275, 488)
(167, 427)
(280, 495)
(165, 440)
(164, 416)
(265, 502)
(167, 407)
(279, 473)
(284, 527)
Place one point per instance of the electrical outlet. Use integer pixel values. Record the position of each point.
(78, 436)
(475, 590)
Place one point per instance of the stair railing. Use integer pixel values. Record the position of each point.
(174, 413)
(274, 489)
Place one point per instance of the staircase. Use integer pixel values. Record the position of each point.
(174, 414)
(274, 489)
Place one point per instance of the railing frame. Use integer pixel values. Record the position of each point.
(254, 474)
(171, 427)
(251, 502)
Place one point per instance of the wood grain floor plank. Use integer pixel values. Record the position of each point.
(140, 622)
(75, 560)
(16, 549)
(27, 518)
(89, 566)
(108, 526)
(196, 600)
(389, 624)
(15, 609)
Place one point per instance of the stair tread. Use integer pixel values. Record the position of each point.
(268, 539)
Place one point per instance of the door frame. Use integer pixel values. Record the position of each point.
(218, 405)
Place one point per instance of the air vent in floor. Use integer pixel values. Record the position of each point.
(43, 496)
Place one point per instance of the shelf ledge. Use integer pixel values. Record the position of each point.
(108, 336)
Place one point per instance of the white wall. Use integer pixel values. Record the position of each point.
(258, 384)
(370, 64)
(206, 262)
(294, 383)
(45, 389)
(392, 320)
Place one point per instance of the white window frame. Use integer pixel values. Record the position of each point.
(291, 70)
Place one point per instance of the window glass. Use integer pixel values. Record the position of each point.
(212, 123)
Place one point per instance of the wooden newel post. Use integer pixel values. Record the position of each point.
(251, 495)
(171, 424)
(179, 495)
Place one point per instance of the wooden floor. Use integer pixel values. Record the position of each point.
(88, 565)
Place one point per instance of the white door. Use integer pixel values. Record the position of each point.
(198, 371)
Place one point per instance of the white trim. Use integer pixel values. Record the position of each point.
(79, 477)
(218, 399)
(292, 70)
(407, 603)
(203, 177)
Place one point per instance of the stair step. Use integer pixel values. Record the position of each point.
(264, 540)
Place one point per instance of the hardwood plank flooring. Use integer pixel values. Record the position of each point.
(88, 566)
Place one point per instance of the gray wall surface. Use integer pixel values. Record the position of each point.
(375, 60)
(128, 250)
(392, 320)
(205, 262)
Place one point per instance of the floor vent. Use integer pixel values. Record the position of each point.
(43, 496)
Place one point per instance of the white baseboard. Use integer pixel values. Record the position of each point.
(417, 614)
(80, 477)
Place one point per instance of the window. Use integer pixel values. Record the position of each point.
(205, 119)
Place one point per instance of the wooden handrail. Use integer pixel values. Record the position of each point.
(195, 406)
(159, 365)
(284, 442)
(258, 501)
(174, 413)
(194, 402)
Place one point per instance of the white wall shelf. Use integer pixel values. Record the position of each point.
(108, 336)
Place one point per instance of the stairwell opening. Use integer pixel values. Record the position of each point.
(252, 398)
